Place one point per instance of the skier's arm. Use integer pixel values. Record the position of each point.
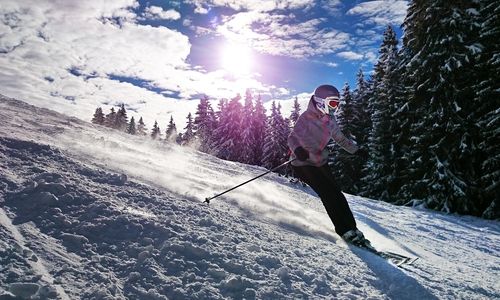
(342, 140)
(294, 136)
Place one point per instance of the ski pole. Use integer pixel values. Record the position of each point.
(207, 200)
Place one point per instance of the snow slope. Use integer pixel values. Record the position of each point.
(86, 212)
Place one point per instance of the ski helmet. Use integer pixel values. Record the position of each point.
(327, 98)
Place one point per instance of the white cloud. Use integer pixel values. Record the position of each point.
(42, 41)
(371, 57)
(201, 10)
(203, 6)
(331, 6)
(350, 55)
(381, 12)
(282, 35)
(157, 13)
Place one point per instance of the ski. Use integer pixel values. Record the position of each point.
(396, 258)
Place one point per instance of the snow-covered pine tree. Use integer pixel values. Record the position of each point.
(98, 117)
(294, 116)
(189, 135)
(399, 126)
(171, 132)
(487, 108)
(360, 125)
(361, 122)
(380, 142)
(131, 127)
(275, 145)
(259, 119)
(155, 132)
(444, 154)
(121, 119)
(227, 136)
(179, 138)
(141, 128)
(217, 133)
(110, 118)
(221, 108)
(345, 167)
(411, 190)
(282, 137)
(247, 134)
(204, 123)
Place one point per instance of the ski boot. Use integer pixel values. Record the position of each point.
(356, 238)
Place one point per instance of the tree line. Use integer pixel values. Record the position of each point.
(236, 131)
(429, 114)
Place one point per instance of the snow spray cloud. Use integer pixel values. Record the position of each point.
(194, 175)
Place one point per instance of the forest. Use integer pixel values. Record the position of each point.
(428, 114)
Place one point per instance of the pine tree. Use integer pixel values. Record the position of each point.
(411, 190)
(247, 127)
(171, 132)
(131, 128)
(487, 107)
(218, 133)
(282, 137)
(204, 123)
(188, 136)
(227, 135)
(444, 159)
(121, 118)
(179, 138)
(98, 117)
(259, 120)
(141, 128)
(156, 132)
(398, 138)
(360, 126)
(345, 167)
(294, 116)
(382, 103)
(110, 118)
(361, 121)
(275, 145)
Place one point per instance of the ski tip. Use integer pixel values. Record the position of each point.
(407, 261)
(412, 260)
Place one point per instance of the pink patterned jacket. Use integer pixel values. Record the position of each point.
(313, 131)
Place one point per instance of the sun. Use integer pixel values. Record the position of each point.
(236, 59)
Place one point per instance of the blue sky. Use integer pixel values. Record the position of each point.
(159, 56)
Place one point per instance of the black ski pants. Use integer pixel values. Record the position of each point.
(321, 180)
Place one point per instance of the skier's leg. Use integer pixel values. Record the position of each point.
(322, 182)
(337, 205)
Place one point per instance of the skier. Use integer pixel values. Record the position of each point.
(307, 142)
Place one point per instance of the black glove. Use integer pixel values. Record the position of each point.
(363, 154)
(301, 153)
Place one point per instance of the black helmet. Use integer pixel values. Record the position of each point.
(327, 98)
(324, 91)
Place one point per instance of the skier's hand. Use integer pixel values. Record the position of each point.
(301, 153)
(363, 154)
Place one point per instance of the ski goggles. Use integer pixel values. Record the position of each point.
(327, 104)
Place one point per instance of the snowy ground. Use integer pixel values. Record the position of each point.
(93, 214)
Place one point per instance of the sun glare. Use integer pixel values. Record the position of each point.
(236, 59)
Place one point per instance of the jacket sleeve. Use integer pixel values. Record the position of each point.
(342, 140)
(294, 136)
